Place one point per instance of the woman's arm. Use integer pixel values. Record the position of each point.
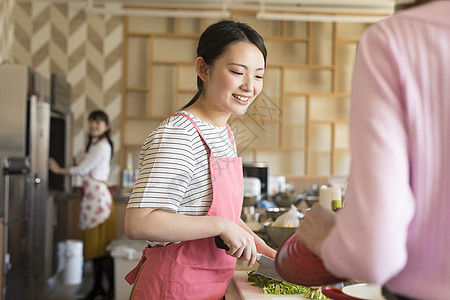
(94, 158)
(56, 168)
(164, 226)
(372, 229)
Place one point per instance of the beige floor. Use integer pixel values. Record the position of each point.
(66, 292)
(73, 292)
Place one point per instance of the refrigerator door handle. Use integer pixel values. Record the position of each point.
(37, 179)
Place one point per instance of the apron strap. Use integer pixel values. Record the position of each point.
(195, 125)
(230, 135)
(131, 277)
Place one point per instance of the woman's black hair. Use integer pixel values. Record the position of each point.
(215, 40)
(99, 115)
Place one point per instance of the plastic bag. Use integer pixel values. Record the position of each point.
(289, 219)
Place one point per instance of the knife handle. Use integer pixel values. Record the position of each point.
(220, 243)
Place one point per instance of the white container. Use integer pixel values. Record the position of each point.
(277, 184)
(73, 271)
(327, 194)
(126, 254)
(61, 256)
(252, 186)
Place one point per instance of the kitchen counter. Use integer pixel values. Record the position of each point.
(68, 206)
(76, 195)
(232, 293)
(240, 289)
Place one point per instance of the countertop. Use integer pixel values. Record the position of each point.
(232, 293)
(240, 289)
(117, 195)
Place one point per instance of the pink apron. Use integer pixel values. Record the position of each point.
(95, 203)
(195, 269)
(96, 200)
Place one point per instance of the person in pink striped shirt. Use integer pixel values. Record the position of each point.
(393, 229)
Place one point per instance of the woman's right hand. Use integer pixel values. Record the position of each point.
(315, 227)
(241, 244)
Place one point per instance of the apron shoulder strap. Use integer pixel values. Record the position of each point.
(196, 127)
(230, 135)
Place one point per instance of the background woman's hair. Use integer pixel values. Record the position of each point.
(99, 115)
(215, 40)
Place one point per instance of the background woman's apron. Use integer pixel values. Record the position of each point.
(95, 203)
(195, 269)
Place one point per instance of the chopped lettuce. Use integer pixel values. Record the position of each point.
(272, 286)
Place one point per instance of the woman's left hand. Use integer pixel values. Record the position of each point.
(315, 227)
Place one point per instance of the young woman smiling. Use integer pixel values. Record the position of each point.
(190, 185)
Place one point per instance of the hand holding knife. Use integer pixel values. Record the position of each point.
(266, 264)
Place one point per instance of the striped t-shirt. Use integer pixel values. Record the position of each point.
(174, 167)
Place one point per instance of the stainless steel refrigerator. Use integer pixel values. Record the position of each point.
(24, 152)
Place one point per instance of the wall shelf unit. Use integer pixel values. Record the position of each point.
(299, 123)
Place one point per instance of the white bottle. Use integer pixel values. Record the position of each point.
(128, 173)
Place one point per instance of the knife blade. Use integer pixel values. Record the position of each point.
(266, 264)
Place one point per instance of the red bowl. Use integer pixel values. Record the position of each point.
(297, 264)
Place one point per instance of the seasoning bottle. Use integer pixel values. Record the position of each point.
(336, 200)
(128, 173)
(336, 205)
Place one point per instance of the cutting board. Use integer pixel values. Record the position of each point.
(249, 292)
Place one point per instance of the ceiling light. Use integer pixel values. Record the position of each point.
(318, 18)
(162, 13)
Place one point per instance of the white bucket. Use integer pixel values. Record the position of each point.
(73, 271)
(61, 255)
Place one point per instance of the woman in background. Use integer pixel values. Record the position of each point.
(190, 185)
(97, 219)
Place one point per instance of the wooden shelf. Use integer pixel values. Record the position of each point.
(138, 89)
(303, 67)
(324, 95)
(144, 118)
(304, 136)
(164, 35)
(128, 145)
(327, 122)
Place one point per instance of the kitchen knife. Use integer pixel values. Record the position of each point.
(266, 264)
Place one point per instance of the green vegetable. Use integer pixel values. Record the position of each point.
(272, 286)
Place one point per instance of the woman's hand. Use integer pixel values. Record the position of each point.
(261, 245)
(241, 243)
(54, 166)
(163, 226)
(315, 227)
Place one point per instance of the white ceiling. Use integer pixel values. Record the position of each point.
(366, 3)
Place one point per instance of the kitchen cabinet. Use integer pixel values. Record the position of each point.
(299, 123)
(68, 215)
